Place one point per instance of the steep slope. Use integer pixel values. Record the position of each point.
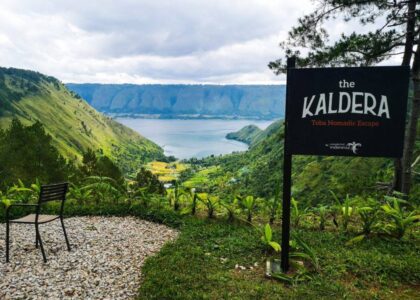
(258, 171)
(255, 101)
(73, 123)
(252, 135)
(313, 176)
(246, 135)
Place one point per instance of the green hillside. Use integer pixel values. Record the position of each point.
(252, 135)
(74, 125)
(247, 135)
(258, 171)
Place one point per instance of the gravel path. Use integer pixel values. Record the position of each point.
(104, 263)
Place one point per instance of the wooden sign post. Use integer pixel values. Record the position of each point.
(287, 179)
(356, 111)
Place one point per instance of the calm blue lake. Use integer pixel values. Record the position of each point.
(192, 138)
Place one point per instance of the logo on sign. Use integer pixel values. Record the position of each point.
(353, 146)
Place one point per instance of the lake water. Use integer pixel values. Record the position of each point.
(192, 138)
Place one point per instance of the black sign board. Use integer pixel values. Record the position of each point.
(341, 112)
(347, 111)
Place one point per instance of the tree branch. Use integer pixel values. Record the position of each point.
(415, 161)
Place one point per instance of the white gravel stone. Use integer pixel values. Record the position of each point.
(104, 263)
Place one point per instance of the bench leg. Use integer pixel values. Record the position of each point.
(65, 234)
(7, 241)
(40, 243)
(36, 241)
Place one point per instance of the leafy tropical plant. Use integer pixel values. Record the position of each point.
(301, 256)
(21, 193)
(142, 194)
(344, 209)
(300, 275)
(192, 197)
(322, 212)
(101, 188)
(248, 204)
(401, 218)
(146, 179)
(35, 187)
(297, 214)
(5, 200)
(129, 192)
(368, 214)
(158, 201)
(273, 204)
(356, 239)
(346, 213)
(305, 252)
(174, 195)
(16, 193)
(80, 194)
(231, 207)
(267, 238)
(211, 202)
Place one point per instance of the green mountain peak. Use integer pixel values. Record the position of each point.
(73, 124)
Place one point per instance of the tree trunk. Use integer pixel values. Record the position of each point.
(398, 170)
(408, 53)
(411, 132)
(409, 33)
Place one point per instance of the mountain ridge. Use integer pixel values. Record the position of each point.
(73, 124)
(254, 101)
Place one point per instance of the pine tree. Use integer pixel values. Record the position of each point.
(394, 31)
(27, 153)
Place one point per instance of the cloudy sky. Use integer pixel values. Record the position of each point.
(148, 41)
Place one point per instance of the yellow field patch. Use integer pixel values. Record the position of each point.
(166, 171)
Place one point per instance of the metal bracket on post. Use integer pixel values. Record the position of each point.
(287, 178)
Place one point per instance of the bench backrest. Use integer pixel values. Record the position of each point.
(53, 192)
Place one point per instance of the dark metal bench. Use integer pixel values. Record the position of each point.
(52, 192)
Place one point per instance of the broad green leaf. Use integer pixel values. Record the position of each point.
(6, 202)
(268, 232)
(276, 246)
(355, 240)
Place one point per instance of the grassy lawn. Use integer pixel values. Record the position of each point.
(201, 265)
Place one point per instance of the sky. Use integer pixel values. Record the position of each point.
(149, 41)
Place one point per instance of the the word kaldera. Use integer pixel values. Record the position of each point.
(354, 102)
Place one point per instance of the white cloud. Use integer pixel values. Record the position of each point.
(143, 41)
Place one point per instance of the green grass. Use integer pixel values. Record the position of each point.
(201, 265)
(201, 178)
